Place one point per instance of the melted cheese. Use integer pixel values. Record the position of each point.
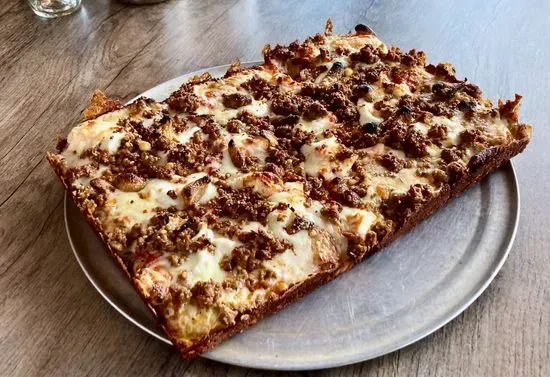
(357, 221)
(263, 183)
(185, 136)
(156, 108)
(102, 132)
(222, 114)
(355, 43)
(423, 128)
(294, 196)
(129, 209)
(317, 126)
(227, 166)
(138, 207)
(242, 298)
(398, 183)
(400, 90)
(366, 112)
(321, 159)
(204, 266)
(210, 95)
(294, 264)
(210, 193)
(454, 127)
(254, 146)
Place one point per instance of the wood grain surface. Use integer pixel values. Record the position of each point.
(54, 323)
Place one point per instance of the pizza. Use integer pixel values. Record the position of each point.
(236, 196)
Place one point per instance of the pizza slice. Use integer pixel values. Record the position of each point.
(236, 196)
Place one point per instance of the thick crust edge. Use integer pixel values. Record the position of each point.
(100, 104)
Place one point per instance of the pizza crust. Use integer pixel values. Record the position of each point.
(287, 243)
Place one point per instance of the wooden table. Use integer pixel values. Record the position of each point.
(52, 321)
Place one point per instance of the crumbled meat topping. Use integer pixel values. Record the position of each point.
(273, 174)
(241, 204)
(314, 110)
(236, 100)
(184, 99)
(62, 144)
(257, 247)
(390, 162)
(205, 294)
(470, 136)
(299, 223)
(450, 154)
(398, 208)
(259, 88)
(438, 132)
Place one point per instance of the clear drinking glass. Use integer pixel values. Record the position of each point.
(53, 8)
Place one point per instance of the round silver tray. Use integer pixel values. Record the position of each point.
(398, 296)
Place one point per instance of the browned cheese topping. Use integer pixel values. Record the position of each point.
(234, 190)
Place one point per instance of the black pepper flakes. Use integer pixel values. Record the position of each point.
(364, 88)
(363, 29)
(370, 127)
(405, 110)
(172, 194)
(337, 66)
(443, 91)
(437, 87)
(190, 221)
(466, 106)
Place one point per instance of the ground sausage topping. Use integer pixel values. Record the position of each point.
(234, 190)
(236, 100)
